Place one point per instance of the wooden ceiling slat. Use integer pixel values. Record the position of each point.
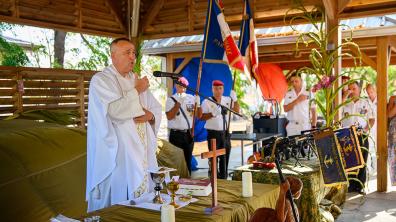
(172, 12)
(96, 14)
(5, 7)
(102, 28)
(169, 4)
(100, 21)
(367, 2)
(152, 13)
(171, 27)
(55, 8)
(97, 6)
(35, 14)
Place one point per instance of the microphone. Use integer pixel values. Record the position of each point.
(167, 74)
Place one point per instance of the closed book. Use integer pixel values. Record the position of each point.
(195, 187)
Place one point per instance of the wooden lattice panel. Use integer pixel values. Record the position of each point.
(6, 7)
(24, 89)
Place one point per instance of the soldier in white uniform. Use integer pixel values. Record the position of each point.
(297, 107)
(216, 125)
(359, 113)
(359, 106)
(179, 112)
(372, 100)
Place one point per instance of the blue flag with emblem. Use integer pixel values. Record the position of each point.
(247, 40)
(350, 148)
(218, 45)
(331, 164)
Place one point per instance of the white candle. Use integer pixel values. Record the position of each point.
(247, 185)
(167, 213)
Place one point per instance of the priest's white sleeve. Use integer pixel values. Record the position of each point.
(156, 108)
(126, 107)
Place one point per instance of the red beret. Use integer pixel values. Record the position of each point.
(217, 83)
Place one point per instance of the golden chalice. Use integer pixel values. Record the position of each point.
(172, 187)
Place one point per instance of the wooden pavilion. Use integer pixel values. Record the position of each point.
(35, 88)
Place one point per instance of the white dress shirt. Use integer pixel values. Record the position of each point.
(215, 123)
(361, 107)
(298, 116)
(187, 104)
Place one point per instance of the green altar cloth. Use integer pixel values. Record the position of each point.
(236, 207)
(313, 190)
(43, 170)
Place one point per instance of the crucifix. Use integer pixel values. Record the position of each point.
(213, 177)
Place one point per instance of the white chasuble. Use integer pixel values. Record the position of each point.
(120, 152)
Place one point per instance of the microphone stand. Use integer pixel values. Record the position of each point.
(224, 110)
(206, 97)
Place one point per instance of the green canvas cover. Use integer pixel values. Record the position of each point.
(43, 169)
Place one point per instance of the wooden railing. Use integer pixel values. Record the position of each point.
(23, 89)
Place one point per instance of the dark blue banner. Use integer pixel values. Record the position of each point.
(330, 159)
(350, 148)
(212, 47)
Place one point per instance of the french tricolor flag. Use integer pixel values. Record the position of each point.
(247, 40)
(218, 45)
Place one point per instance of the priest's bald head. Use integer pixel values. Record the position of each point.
(123, 55)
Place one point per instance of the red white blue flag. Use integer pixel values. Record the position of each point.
(247, 40)
(218, 45)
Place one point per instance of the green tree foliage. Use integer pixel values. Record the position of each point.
(241, 84)
(99, 55)
(11, 54)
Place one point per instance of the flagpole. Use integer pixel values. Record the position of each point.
(239, 46)
(229, 114)
(196, 93)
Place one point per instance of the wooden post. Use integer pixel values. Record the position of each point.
(382, 80)
(19, 92)
(332, 21)
(213, 178)
(81, 100)
(169, 68)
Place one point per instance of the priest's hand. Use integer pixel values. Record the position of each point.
(142, 84)
(147, 117)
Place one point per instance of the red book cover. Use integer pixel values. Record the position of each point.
(194, 182)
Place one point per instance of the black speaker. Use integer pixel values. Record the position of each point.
(265, 124)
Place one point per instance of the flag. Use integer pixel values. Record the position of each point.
(331, 165)
(218, 45)
(350, 148)
(247, 41)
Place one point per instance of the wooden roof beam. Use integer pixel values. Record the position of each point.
(186, 60)
(153, 11)
(342, 4)
(365, 58)
(331, 9)
(392, 43)
(372, 10)
(113, 10)
(66, 28)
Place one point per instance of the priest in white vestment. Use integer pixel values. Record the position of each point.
(123, 121)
